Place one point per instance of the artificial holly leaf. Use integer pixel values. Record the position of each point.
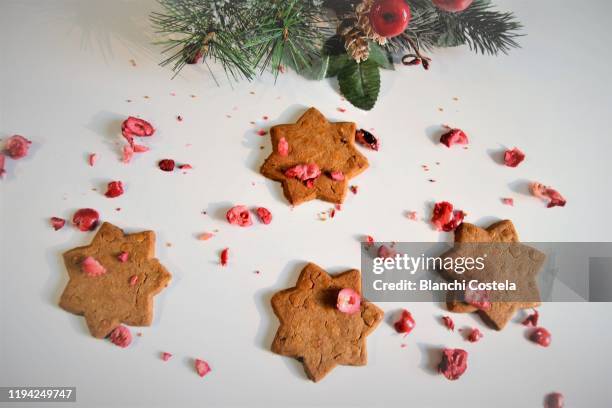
(360, 83)
(381, 57)
(336, 63)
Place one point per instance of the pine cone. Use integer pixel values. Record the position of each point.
(362, 12)
(356, 31)
(355, 41)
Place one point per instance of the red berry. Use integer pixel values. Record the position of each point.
(86, 219)
(452, 6)
(114, 189)
(166, 165)
(406, 322)
(389, 18)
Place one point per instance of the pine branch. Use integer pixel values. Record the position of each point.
(288, 32)
(211, 29)
(483, 29)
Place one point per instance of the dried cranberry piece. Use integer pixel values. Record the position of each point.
(57, 223)
(444, 218)
(349, 301)
(453, 364)
(406, 322)
(532, 319)
(91, 267)
(202, 367)
(166, 164)
(367, 139)
(224, 256)
(264, 215)
(121, 336)
(554, 400)
(514, 157)
(454, 136)
(474, 335)
(478, 298)
(86, 219)
(448, 322)
(239, 215)
(541, 336)
(114, 189)
(17, 147)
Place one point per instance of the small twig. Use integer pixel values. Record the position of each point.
(416, 58)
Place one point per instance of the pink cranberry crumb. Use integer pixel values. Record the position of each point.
(114, 189)
(337, 175)
(133, 280)
(205, 236)
(349, 301)
(92, 159)
(554, 400)
(262, 132)
(547, 193)
(480, 299)
(541, 336)
(139, 148)
(411, 215)
(406, 322)
(453, 364)
(2, 160)
(128, 153)
(454, 136)
(307, 173)
(17, 147)
(283, 147)
(166, 356)
(202, 367)
(166, 164)
(264, 215)
(86, 219)
(508, 201)
(386, 252)
(123, 257)
(514, 157)
(91, 267)
(474, 335)
(448, 322)
(121, 336)
(239, 215)
(57, 223)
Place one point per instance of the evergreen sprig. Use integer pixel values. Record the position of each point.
(287, 33)
(246, 36)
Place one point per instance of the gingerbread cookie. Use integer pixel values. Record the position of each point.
(314, 331)
(508, 260)
(501, 231)
(113, 280)
(314, 158)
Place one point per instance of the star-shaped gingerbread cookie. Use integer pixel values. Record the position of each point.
(507, 259)
(314, 158)
(113, 280)
(314, 331)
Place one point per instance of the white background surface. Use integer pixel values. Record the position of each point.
(65, 78)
